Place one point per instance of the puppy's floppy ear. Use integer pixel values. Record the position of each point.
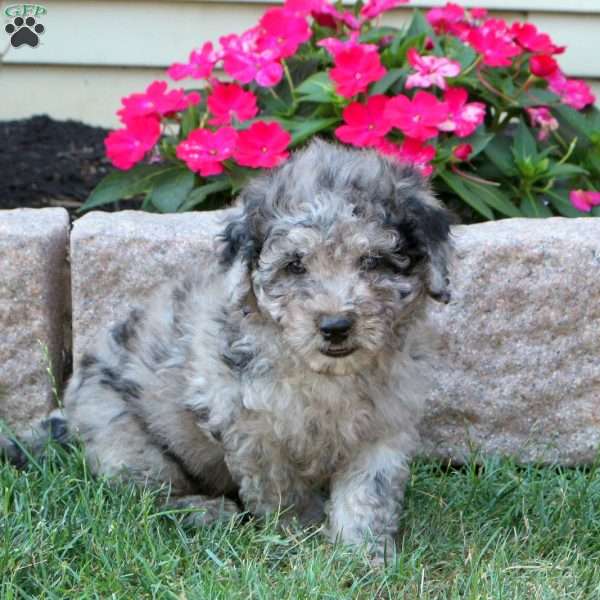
(242, 237)
(420, 216)
(432, 228)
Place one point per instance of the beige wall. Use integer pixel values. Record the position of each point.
(94, 52)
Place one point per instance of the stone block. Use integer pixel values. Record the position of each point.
(33, 297)
(520, 367)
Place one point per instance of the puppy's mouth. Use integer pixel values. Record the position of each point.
(338, 352)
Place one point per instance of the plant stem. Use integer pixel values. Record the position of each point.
(488, 86)
(474, 178)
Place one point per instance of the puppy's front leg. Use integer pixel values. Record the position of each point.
(366, 496)
(269, 483)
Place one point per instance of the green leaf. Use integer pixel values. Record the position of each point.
(478, 140)
(494, 197)
(534, 208)
(573, 119)
(565, 170)
(456, 50)
(170, 189)
(189, 121)
(119, 185)
(375, 34)
(536, 97)
(498, 150)
(414, 41)
(419, 25)
(317, 88)
(198, 195)
(457, 185)
(524, 145)
(386, 82)
(560, 200)
(302, 130)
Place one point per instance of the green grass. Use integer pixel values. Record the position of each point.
(500, 531)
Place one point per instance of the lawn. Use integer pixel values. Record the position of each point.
(494, 531)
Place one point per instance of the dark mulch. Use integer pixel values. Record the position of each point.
(44, 162)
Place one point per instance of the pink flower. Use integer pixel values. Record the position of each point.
(446, 19)
(283, 30)
(246, 62)
(462, 151)
(228, 101)
(411, 151)
(156, 101)
(200, 65)
(478, 14)
(365, 123)
(335, 46)
(262, 145)
(542, 65)
(418, 118)
(355, 68)
(260, 67)
(373, 8)
(418, 154)
(204, 150)
(584, 200)
(574, 92)
(527, 35)
(543, 118)
(126, 147)
(463, 117)
(431, 70)
(494, 41)
(322, 11)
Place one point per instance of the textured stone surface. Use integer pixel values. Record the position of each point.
(33, 252)
(521, 340)
(118, 258)
(520, 366)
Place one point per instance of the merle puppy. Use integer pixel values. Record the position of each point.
(290, 372)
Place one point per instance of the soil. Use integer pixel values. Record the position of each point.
(44, 162)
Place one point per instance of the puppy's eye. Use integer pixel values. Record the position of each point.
(368, 263)
(296, 267)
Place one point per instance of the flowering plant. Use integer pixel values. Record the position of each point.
(479, 105)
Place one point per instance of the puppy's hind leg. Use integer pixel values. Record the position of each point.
(118, 445)
(101, 407)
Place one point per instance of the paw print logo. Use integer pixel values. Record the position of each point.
(24, 31)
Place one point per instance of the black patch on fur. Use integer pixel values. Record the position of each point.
(123, 333)
(126, 388)
(202, 414)
(118, 416)
(58, 429)
(159, 352)
(431, 224)
(382, 484)
(326, 178)
(87, 360)
(12, 452)
(412, 246)
(239, 242)
(236, 361)
(217, 434)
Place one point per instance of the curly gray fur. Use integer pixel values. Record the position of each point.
(291, 368)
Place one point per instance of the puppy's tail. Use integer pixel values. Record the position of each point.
(20, 450)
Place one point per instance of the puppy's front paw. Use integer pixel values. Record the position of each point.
(382, 552)
(204, 510)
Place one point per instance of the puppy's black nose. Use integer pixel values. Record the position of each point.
(335, 328)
